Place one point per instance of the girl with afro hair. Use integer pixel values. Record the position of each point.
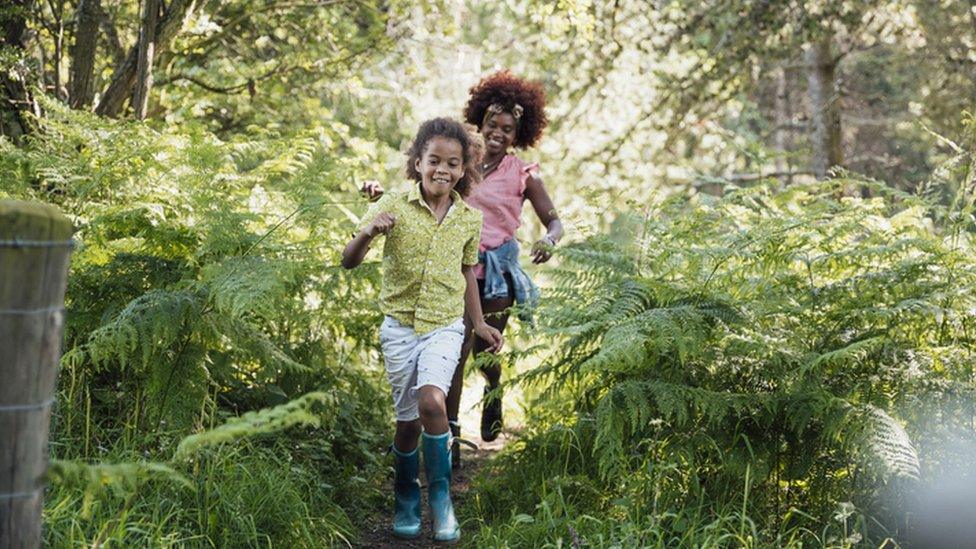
(509, 112)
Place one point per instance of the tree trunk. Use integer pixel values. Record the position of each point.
(81, 88)
(58, 13)
(111, 35)
(124, 77)
(825, 106)
(144, 62)
(15, 98)
(783, 122)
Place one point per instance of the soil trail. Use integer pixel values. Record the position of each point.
(377, 533)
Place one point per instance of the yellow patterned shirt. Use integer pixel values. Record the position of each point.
(423, 285)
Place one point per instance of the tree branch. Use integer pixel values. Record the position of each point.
(228, 90)
(124, 77)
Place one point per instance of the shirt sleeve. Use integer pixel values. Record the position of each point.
(524, 173)
(470, 254)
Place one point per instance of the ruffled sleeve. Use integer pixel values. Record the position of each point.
(524, 172)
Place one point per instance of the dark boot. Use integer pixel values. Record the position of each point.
(491, 416)
(437, 464)
(406, 494)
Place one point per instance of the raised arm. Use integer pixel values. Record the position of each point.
(356, 250)
(535, 191)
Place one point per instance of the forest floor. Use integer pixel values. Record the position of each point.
(376, 531)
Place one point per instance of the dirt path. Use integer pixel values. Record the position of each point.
(377, 533)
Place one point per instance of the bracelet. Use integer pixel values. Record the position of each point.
(550, 240)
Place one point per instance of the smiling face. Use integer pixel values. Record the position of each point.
(441, 166)
(499, 133)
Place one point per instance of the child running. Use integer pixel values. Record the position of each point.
(509, 112)
(429, 285)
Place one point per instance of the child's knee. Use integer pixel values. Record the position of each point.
(409, 428)
(432, 402)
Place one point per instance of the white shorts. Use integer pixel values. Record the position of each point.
(413, 361)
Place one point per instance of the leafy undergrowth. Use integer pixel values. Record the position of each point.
(220, 384)
(772, 368)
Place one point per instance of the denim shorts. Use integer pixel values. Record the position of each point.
(508, 282)
(413, 361)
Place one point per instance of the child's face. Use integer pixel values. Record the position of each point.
(441, 166)
(499, 133)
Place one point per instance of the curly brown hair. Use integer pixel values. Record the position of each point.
(472, 150)
(508, 90)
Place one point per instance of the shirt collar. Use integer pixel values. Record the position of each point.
(415, 196)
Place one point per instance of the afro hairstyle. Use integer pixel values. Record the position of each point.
(507, 90)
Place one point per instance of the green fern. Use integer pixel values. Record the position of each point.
(296, 412)
(763, 331)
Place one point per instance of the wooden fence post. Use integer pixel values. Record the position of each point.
(35, 248)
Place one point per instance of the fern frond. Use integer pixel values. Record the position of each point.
(296, 412)
(249, 286)
(882, 442)
(249, 340)
(119, 479)
(152, 322)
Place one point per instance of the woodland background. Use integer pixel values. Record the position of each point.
(760, 332)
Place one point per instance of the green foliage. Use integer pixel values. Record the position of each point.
(118, 478)
(245, 496)
(764, 369)
(295, 412)
(772, 344)
(205, 288)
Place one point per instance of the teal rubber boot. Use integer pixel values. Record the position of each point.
(437, 464)
(406, 494)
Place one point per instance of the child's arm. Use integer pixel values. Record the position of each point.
(472, 304)
(356, 250)
(535, 191)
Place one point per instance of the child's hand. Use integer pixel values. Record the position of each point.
(542, 250)
(490, 335)
(372, 189)
(381, 225)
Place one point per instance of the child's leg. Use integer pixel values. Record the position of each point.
(454, 395)
(496, 315)
(400, 345)
(437, 366)
(433, 410)
(407, 435)
(457, 382)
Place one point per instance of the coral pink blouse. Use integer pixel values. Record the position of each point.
(500, 197)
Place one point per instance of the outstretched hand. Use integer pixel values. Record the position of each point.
(491, 335)
(372, 189)
(542, 250)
